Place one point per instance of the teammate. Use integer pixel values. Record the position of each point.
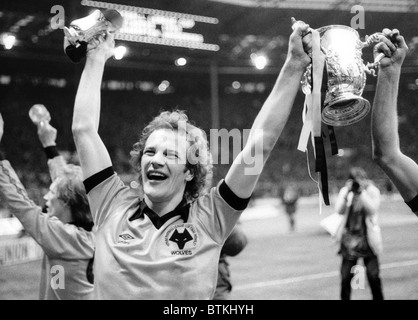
(64, 231)
(234, 244)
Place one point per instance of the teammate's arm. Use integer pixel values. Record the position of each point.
(401, 169)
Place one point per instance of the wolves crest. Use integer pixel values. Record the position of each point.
(181, 238)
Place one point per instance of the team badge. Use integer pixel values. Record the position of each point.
(181, 239)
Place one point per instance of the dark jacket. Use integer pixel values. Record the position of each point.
(233, 245)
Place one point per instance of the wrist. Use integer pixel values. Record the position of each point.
(2, 154)
(48, 144)
(391, 71)
(51, 152)
(295, 64)
(96, 60)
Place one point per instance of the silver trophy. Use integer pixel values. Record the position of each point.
(82, 31)
(346, 74)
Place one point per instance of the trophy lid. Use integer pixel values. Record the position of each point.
(324, 29)
(114, 17)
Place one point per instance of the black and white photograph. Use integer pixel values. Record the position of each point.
(221, 151)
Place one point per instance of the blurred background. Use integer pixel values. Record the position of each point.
(216, 59)
(220, 86)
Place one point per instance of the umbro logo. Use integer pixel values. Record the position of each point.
(126, 236)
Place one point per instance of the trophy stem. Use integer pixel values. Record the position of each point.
(370, 40)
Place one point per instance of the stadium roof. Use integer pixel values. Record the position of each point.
(241, 27)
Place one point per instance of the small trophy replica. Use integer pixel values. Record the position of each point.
(38, 113)
(82, 31)
(346, 74)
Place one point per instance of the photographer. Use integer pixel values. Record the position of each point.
(359, 234)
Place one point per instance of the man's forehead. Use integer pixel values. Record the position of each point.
(166, 137)
(54, 185)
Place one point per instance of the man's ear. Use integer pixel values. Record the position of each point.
(189, 175)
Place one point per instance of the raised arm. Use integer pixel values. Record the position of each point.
(270, 121)
(49, 232)
(47, 135)
(401, 169)
(93, 154)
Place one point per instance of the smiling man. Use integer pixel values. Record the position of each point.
(166, 245)
(63, 230)
(162, 167)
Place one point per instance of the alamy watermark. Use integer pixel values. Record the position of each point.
(357, 21)
(246, 147)
(359, 278)
(58, 20)
(57, 277)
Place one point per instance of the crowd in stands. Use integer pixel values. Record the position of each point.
(124, 113)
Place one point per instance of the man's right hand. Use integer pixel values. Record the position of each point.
(101, 47)
(300, 44)
(394, 47)
(47, 134)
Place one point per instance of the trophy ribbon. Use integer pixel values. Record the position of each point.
(311, 116)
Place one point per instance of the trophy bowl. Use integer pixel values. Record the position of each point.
(346, 75)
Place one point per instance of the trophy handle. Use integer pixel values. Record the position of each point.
(370, 40)
(371, 67)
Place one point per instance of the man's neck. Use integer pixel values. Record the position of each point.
(67, 216)
(163, 207)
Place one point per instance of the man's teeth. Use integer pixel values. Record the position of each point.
(157, 176)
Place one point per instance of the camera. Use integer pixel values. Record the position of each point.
(355, 187)
(357, 180)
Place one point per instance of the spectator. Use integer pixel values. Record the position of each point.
(359, 233)
(290, 199)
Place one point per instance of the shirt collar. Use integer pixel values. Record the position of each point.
(182, 210)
